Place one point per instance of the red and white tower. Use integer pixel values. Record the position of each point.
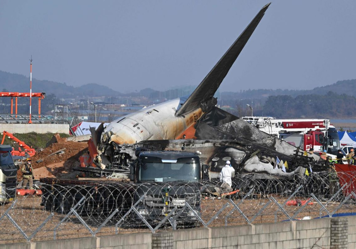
(30, 121)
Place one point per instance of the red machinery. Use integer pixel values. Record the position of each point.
(25, 192)
(21, 152)
(17, 94)
(318, 134)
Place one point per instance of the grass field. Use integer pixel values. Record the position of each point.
(33, 139)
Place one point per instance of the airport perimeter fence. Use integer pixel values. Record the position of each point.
(96, 209)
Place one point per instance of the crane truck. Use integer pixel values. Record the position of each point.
(318, 134)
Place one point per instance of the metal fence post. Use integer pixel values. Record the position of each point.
(232, 211)
(67, 216)
(290, 197)
(127, 213)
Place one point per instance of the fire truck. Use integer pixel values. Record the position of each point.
(318, 134)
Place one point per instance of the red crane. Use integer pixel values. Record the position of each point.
(21, 152)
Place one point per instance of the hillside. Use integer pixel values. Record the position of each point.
(347, 87)
(335, 100)
(18, 83)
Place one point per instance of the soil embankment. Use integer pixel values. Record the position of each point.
(60, 164)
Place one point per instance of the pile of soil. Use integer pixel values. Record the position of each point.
(60, 164)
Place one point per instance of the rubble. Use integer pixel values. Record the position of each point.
(60, 164)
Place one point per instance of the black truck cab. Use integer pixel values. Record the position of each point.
(169, 180)
(167, 166)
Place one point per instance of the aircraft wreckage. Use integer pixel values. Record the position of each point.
(250, 151)
(216, 134)
(153, 146)
(196, 124)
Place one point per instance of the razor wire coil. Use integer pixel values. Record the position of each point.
(66, 211)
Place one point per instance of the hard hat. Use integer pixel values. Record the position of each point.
(228, 162)
(324, 150)
(29, 159)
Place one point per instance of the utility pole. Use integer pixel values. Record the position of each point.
(95, 113)
(30, 121)
(94, 110)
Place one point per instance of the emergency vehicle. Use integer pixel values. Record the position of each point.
(318, 134)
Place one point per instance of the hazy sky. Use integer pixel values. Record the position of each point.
(131, 45)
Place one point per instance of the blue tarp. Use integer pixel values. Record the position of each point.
(341, 134)
(352, 134)
(346, 138)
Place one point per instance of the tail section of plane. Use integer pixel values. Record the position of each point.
(204, 93)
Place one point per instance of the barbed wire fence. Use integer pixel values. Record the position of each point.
(71, 211)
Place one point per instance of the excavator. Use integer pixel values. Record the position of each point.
(23, 151)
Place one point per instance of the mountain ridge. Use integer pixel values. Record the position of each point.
(20, 82)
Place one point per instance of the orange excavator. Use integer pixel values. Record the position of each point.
(23, 149)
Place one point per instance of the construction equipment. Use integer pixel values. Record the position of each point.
(318, 134)
(24, 192)
(24, 152)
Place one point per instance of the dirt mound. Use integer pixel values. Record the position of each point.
(51, 170)
(70, 151)
(56, 139)
(59, 163)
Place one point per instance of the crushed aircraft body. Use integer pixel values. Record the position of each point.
(218, 135)
(170, 119)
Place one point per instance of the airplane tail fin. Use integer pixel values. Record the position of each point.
(204, 93)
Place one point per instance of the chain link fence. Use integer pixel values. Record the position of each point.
(71, 211)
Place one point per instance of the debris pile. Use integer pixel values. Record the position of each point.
(57, 159)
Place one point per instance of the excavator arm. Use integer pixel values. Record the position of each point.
(21, 152)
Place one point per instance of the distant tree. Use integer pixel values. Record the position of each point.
(312, 106)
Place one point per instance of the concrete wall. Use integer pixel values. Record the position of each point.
(38, 128)
(318, 233)
(300, 234)
(351, 235)
(121, 241)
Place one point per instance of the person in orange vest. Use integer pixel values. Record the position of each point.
(27, 174)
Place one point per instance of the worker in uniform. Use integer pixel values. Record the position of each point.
(225, 176)
(27, 174)
(350, 157)
(339, 157)
(333, 178)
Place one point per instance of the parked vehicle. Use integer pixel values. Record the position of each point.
(318, 134)
(164, 181)
(173, 179)
(8, 173)
(346, 149)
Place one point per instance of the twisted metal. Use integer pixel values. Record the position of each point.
(67, 211)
